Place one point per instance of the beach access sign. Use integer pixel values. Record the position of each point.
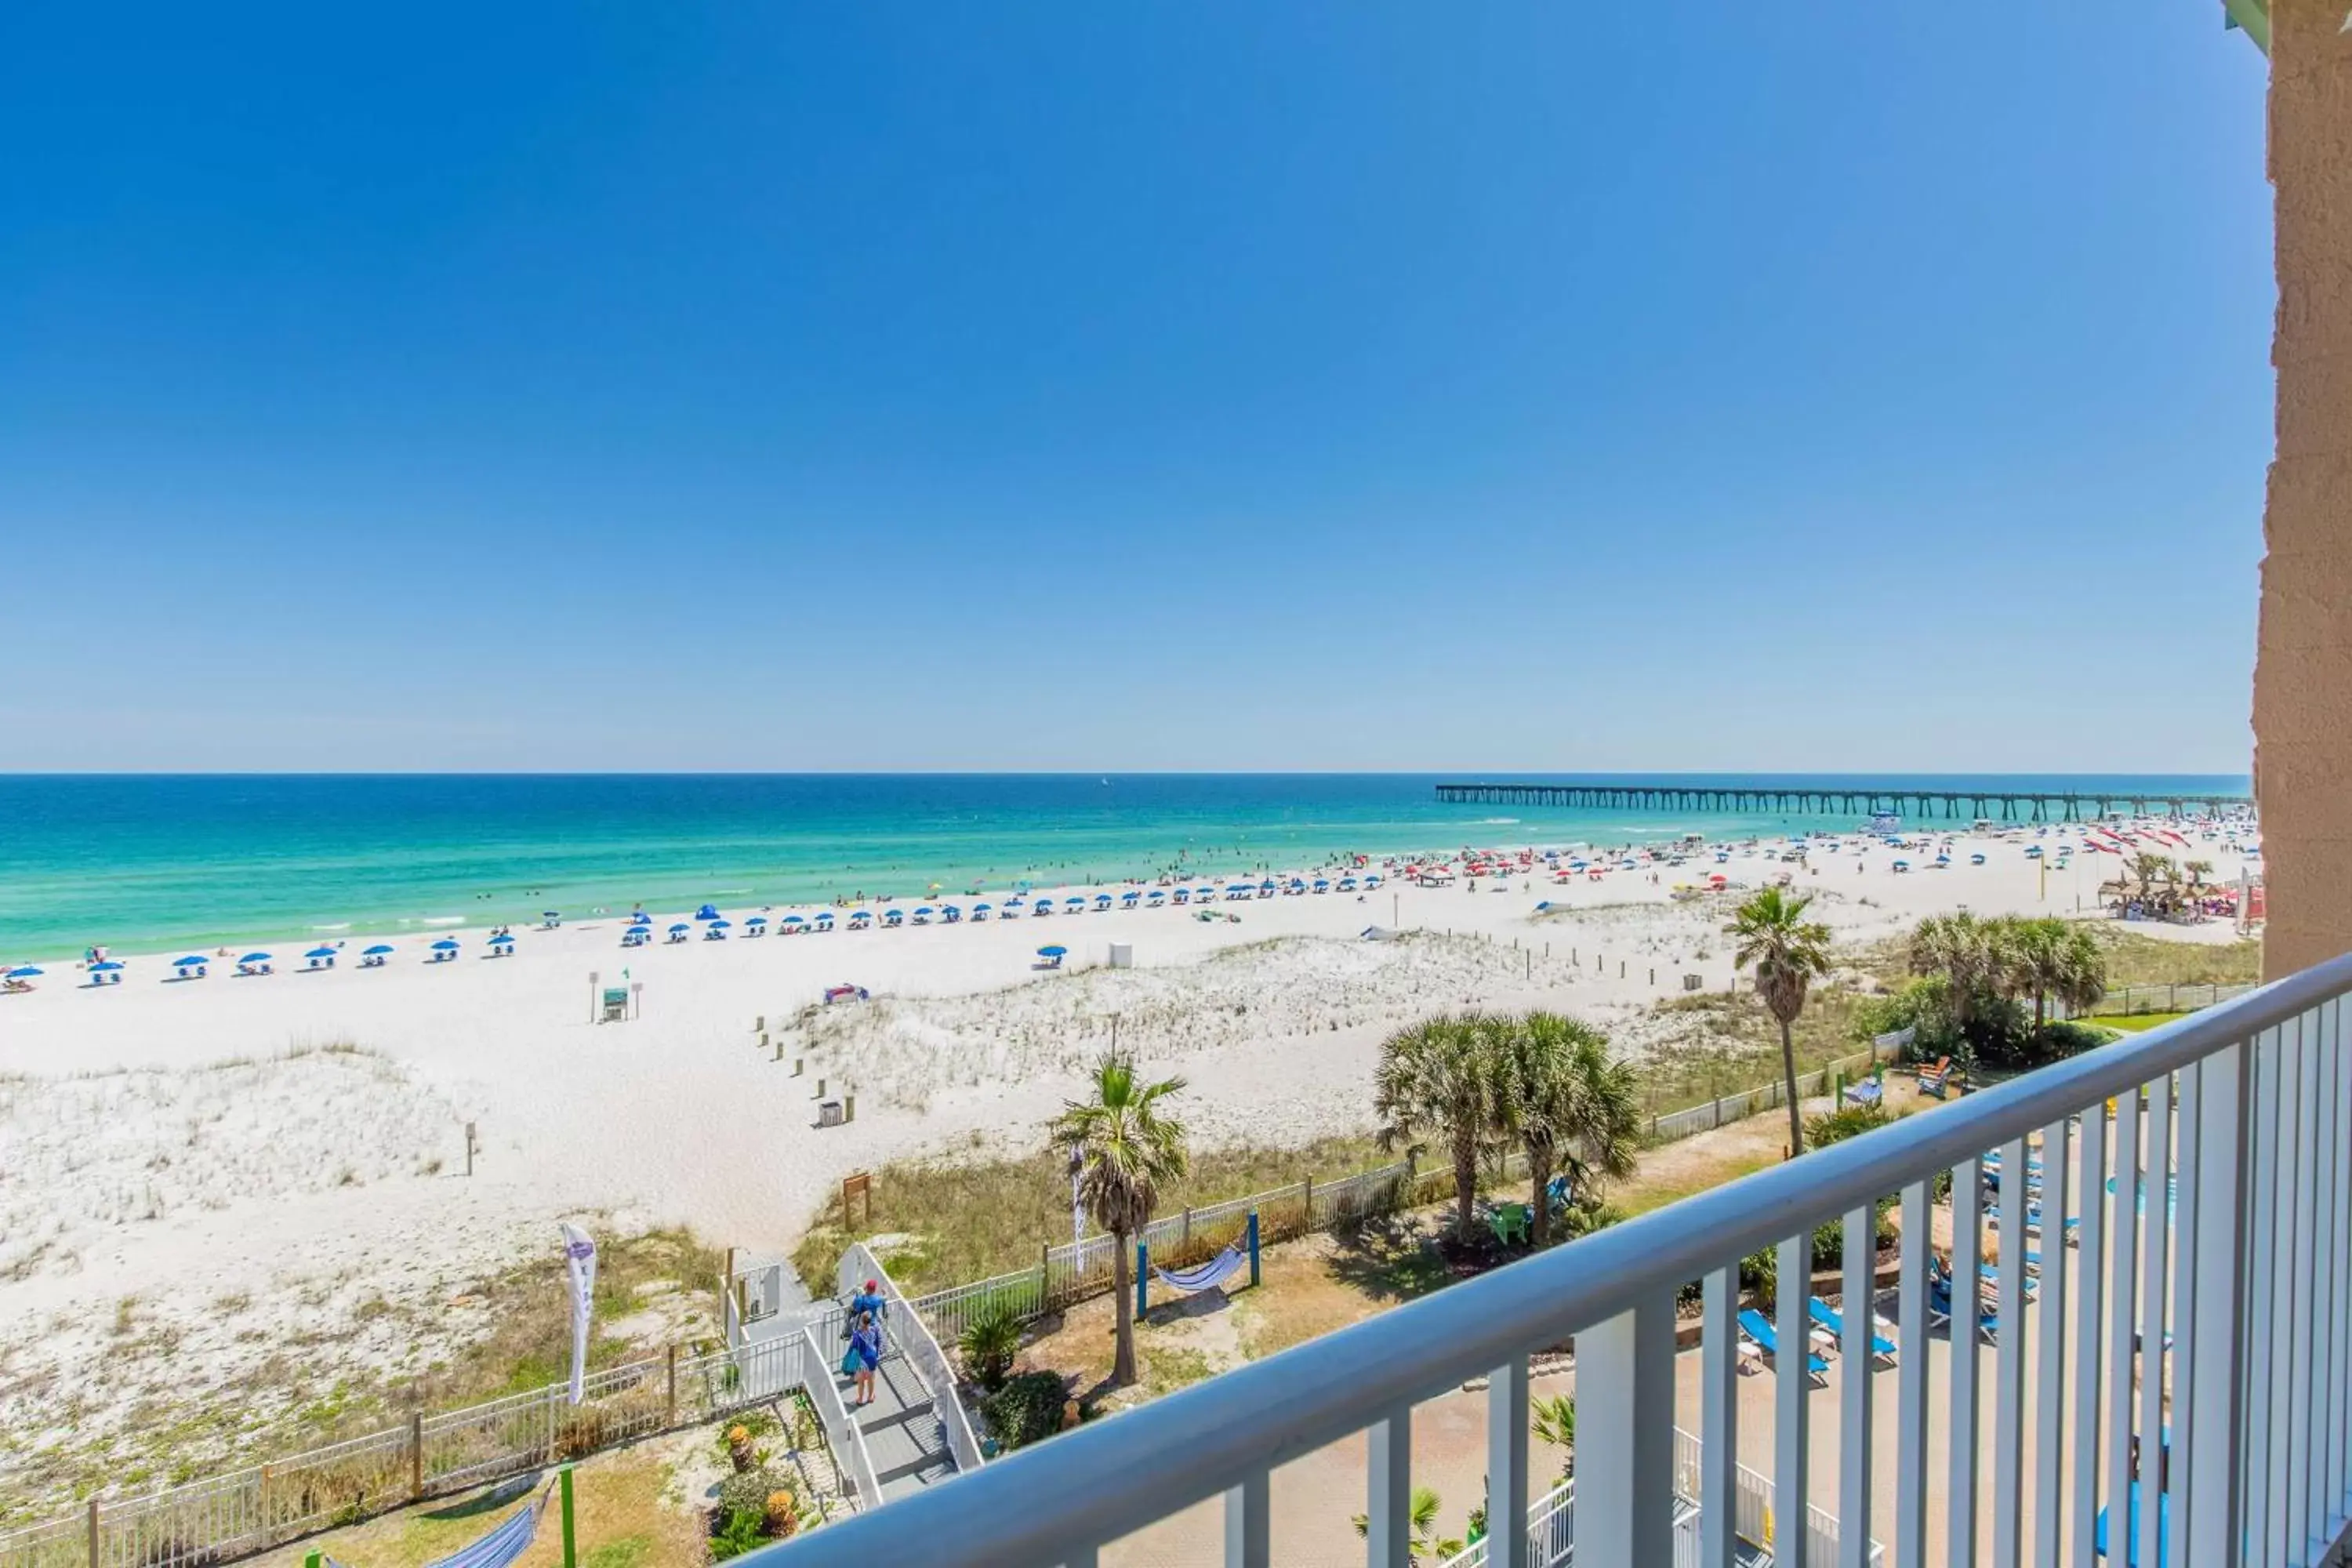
(580, 1256)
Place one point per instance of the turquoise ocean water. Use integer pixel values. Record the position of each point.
(141, 862)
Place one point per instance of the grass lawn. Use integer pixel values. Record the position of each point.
(2134, 1023)
(2136, 959)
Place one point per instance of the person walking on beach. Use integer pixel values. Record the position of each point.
(865, 1355)
(872, 1305)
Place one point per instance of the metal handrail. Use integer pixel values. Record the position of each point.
(1224, 1434)
(930, 1362)
(842, 1432)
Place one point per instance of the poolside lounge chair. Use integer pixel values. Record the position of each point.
(1828, 1317)
(1939, 1302)
(1757, 1329)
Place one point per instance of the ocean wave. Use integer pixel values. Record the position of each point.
(1496, 822)
(339, 925)
(436, 921)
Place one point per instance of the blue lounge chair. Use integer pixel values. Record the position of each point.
(1829, 1318)
(1939, 1303)
(1869, 1091)
(1758, 1328)
(2131, 1531)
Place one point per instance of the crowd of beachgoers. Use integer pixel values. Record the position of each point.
(326, 1168)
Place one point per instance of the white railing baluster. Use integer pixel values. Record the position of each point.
(2326, 1150)
(1968, 1258)
(2050, 1399)
(2123, 1253)
(2301, 1527)
(1792, 1386)
(2211, 1420)
(1858, 1309)
(2281, 1530)
(2188, 1124)
(1389, 1512)
(1249, 1524)
(2339, 1437)
(1911, 1382)
(1507, 1465)
(2259, 1329)
(2009, 1360)
(2155, 1199)
(1718, 1456)
(2090, 1257)
(1625, 1449)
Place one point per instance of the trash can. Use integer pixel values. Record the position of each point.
(828, 1113)
(1122, 955)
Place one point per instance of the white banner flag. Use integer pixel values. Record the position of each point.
(579, 1255)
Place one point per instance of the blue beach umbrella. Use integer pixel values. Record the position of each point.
(446, 944)
(706, 913)
(503, 939)
(378, 951)
(680, 927)
(983, 908)
(255, 958)
(927, 910)
(1052, 952)
(756, 920)
(194, 960)
(104, 966)
(322, 952)
(714, 925)
(641, 918)
(24, 972)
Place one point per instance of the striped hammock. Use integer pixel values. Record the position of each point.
(1203, 1277)
(499, 1547)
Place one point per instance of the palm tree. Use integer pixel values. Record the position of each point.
(1564, 1098)
(1787, 950)
(1438, 1079)
(2151, 868)
(1555, 1424)
(1128, 1148)
(1424, 1541)
(2055, 961)
(1965, 951)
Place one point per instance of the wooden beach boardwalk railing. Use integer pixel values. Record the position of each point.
(1854, 800)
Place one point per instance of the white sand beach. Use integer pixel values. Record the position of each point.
(245, 1159)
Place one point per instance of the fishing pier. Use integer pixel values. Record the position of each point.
(1851, 800)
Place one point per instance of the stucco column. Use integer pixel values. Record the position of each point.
(2302, 677)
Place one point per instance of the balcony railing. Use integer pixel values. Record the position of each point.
(2163, 1346)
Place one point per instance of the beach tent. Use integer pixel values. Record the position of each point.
(374, 957)
(706, 913)
(641, 918)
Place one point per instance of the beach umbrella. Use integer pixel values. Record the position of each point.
(104, 966)
(503, 939)
(641, 918)
(714, 925)
(1129, 896)
(446, 944)
(24, 972)
(194, 960)
(1052, 952)
(927, 910)
(824, 918)
(756, 920)
(320, 952)
(983, 908)
(550, 914)
(378, 951)
(680, 927)
(264, 958)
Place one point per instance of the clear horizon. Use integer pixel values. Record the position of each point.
(1335, 388)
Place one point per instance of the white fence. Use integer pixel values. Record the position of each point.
(922, 1352)
(260, 1506)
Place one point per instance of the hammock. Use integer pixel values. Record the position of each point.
(1203, 1277)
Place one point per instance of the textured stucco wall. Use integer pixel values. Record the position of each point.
(2303, 680)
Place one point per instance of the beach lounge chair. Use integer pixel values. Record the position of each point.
(1939, 1302)
(1869, 1091)
(1757, 1329)
(1940, 1079)
(1828, 1317)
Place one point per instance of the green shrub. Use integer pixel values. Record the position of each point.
(1027, 1408)
(740, 1531)
(1847, 1121)
(988, 1345)
(2068, 1039)
(749, 1490)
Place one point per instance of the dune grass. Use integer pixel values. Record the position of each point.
(2136, 959)
(1737, 1046)
(969, 1214)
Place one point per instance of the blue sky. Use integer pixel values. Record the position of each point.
(1345, 384)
